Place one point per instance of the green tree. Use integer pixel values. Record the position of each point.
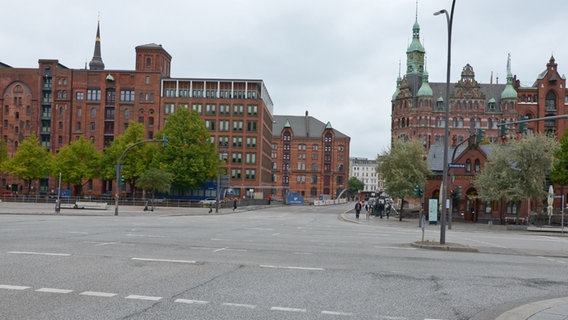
(155, 180)
(559, 173)
(355, 185)
(519, 170)
(135, 161)
(31, 161)
(78, 162)
(3, 153)
(189, 156)
(403, 167)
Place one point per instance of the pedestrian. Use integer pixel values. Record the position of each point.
(357, 209)
(388, 209)
(234, 204)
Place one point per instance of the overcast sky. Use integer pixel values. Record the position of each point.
(338, 60)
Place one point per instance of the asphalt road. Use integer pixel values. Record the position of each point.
(272, 263)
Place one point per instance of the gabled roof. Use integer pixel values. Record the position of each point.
(302, 126)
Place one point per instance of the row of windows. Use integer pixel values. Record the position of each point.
(301, 179)
(249, 174)
(223, 141)
(211, 93)
(211, 109)
(439, 122)
(302, 166)
(126, 96)
(238, 125)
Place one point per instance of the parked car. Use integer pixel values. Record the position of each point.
(208, 201)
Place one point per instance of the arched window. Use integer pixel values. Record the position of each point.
(489, 123)
(468, 165)
(148, 62)
(550, 102)
(477, 166)
(127, 114)
(93, 112)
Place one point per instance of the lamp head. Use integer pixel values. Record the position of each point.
(440, 12)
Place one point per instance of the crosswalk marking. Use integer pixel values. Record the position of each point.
(10, 287)
(54, 290)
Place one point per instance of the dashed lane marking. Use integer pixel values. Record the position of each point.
(164, 260)
(54, 290)
(288, 309)
(97, 294)
(148, 298)
(291, 267)
(41, 253)
(239, 305)
(10, 287)
(337, 313)
(189, 301)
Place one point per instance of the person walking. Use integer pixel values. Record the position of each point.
(357, 209)
(388, 209)
(234, 204)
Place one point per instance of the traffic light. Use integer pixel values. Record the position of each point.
(458, 191)
(452, 193)
(480, 136)
(503, 128)
(523, 125)
(418, 191)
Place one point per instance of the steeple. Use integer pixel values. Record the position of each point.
(509, 92)
(97, 61)
(415, 52)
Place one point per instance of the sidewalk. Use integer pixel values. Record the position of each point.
(551, 309)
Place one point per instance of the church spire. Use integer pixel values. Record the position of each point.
(97, 61)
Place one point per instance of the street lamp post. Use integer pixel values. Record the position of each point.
(118, 168)
(218, 197)
(449, 19)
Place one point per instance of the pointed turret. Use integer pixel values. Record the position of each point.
(97, 61)
(415, 52)
(509, 92)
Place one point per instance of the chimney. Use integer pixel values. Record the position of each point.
(307, 125)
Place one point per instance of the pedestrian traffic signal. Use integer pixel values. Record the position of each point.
(503, 129)
(480, 136)
(523, 125)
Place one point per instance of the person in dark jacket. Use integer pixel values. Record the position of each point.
(234, 204)
(357, 209)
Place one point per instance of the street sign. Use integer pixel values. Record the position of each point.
(456, 165)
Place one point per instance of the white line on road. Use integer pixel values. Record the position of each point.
(337, 313)
(188, 301)
(97, 294)
(239, 305)
(288, 309)
(261, 229)
(302, 253)
(291, 268)
(54, 290)
(164, 260)
(144, 235)
(275, 234)
(220, 249)
(149, 298)
(9, 287)
(41, 253)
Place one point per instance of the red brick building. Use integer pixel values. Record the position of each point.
(309, 157)
(60, 104)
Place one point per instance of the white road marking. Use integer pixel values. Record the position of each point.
(276, 234)
(337, 313)
(220, 249)
(41, 253)
(9, 287)
(291, 268)
(552, 260)
(288, 309)
(302, 253)
(149, 298)
(164, 260)
(78, 232)
(98, 294)
(261, 229)
(144, 235)
(217, 239)
(240, 305)
(54, 290)
(188, 301)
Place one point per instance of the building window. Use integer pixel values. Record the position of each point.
(251, 126)
(250, 158)
(250, 174)
(148, 62)
(314, 166)
(126, 95)
(210, 124)
(550, 101)
(169, 108)
(224, 141)
(237, 141)
(93, 112)
(237, 157)
(210, 109)
(94, 95)
(314, 179)
(237, 126)
(238, 110)
(252, 110)
(224, 125)
(197, 107)
(224, 109)
(80, 96)
(251, 142)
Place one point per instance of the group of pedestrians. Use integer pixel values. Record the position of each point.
(378, 208)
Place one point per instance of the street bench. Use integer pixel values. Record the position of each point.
(90, 205)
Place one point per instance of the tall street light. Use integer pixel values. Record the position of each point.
(449, 19)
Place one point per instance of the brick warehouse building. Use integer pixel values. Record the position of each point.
(309, 157)
(418, 112)
(60, 105)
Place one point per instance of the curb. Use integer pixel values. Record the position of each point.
(530, 309)
(443, 247)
